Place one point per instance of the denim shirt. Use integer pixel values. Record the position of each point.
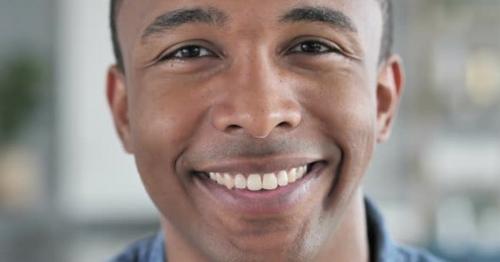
(382, 248)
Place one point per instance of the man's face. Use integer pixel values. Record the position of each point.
(253, 94)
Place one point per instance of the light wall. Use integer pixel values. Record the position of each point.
(98, 180)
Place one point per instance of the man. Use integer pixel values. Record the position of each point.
(252, 124)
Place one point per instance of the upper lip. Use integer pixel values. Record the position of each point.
(255, 165)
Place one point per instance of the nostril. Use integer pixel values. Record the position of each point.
(284, 125)
(233, 127)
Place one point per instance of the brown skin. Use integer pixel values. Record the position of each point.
(256, 102)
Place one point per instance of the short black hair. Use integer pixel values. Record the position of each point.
(388, 28)
(385, 50)
(115, 6)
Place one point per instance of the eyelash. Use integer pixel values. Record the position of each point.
(323, 48)
(201, 51)
(177, 54)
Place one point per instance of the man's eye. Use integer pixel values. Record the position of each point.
(313, 47)
(187, 52)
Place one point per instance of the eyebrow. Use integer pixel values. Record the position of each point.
(178, 17)
(332, 17)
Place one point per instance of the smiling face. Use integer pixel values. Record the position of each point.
(253, 122)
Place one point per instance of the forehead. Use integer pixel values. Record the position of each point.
(144, 9)
(134, 17)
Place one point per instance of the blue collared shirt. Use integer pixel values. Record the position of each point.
(382, 248)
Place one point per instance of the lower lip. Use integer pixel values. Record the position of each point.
(263, 202)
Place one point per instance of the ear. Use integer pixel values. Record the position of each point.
(116, 93)
(389, 89)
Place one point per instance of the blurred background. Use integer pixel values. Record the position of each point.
(69, 193)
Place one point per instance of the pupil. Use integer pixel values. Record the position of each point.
(191, 51)
(311, 47)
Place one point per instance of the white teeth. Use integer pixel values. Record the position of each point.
(220, 178)
(256, 182)
(269, 181)
(282, 178)
(300, 172)
(228, 181)
(292, 175)
(240, 182)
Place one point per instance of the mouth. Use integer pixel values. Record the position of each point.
(259, 181)
(257, 193)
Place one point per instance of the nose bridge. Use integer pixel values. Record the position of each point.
(258, 101)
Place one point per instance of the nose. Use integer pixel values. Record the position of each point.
(258, 102)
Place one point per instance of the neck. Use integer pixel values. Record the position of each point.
(350, 242)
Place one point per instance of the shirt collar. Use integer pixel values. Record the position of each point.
(158, 248)
(381, 245)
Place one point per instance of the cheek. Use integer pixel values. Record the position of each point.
(164, 116)
(163, 120)
(354, 126)
(345, 107)
(346, 113)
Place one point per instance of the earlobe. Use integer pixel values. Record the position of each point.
(116, 94)
(389, 90)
